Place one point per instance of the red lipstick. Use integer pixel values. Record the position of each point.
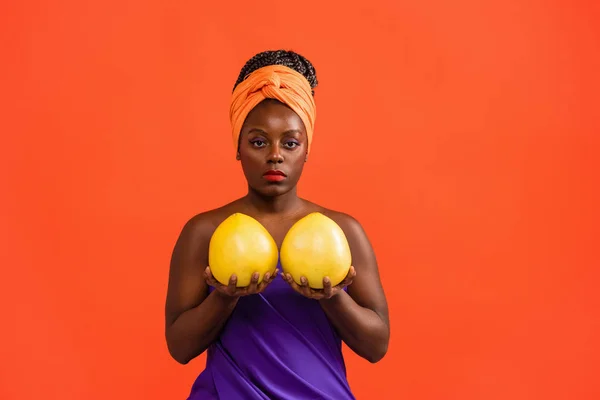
(274, 175)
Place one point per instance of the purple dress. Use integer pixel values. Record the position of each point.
(275, 345)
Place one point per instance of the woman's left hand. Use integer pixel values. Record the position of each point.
(318, 294)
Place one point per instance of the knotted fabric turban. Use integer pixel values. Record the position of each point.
(273, 82)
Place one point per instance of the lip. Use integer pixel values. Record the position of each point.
(274, 172)
(274, 175)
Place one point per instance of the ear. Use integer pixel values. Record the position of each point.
(306, 157)
(237, 157)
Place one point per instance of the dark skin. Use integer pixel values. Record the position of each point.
(273, 137)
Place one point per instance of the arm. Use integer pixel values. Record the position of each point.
(361, 315)
(193, 319)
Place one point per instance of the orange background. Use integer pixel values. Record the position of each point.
(464, 136)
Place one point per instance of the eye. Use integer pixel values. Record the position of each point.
(257, 142)
(291, 145)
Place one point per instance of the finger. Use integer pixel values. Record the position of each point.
(210, 279)
(287, 277)
(267, 279)
(290, 281)
(304, 286)
(270, 277)
(352, 272)
(303, 281)
(301, 288)
(349, 277)
(253, 283)
(327, 291)
(263, 284)
(307, 290)
(231, 288)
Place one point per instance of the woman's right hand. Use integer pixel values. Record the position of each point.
(232, 290)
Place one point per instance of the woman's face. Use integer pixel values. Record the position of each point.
(272, 148)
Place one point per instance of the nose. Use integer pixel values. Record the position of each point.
(275, 156)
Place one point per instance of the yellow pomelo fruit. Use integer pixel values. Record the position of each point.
(241, 245)
(316, 247)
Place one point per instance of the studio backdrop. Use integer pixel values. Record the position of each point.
(462, 134)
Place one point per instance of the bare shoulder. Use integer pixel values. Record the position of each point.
(203, 225)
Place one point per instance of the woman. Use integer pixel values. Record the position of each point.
(276, 339)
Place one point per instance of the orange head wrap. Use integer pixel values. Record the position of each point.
(273, 82)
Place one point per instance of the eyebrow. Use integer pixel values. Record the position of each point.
(258, 130)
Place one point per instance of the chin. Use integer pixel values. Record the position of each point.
(272, 190)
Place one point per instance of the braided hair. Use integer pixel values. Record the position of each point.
(286, 58)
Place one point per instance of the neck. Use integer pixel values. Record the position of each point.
(284, 204)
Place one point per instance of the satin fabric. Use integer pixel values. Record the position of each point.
(275, 345)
